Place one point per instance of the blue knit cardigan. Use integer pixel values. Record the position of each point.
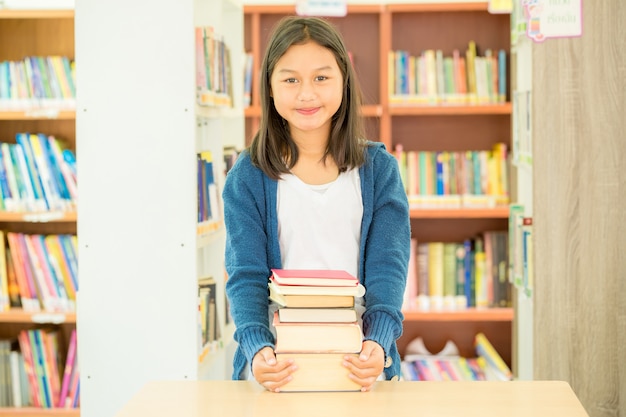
(252, 249)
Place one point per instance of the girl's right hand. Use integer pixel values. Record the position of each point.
(270, 373)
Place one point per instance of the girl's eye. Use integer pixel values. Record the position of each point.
(291, 80)
(321, 78)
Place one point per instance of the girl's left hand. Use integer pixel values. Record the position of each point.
(366, 369)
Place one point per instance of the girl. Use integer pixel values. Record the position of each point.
(311, 192)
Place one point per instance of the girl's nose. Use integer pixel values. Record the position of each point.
(306, 91)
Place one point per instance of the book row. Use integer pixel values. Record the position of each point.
(521, 255)
(38, 272)
(209, 323)
(448, 365)
(438, 179)
(213, 69)
(37, 173)
(38, 81)
(34, 372)
(247, 79)
(208, 194)
(454, 276)
(461, 78)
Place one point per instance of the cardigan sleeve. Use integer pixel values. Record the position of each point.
(386, 250)
(246, 257)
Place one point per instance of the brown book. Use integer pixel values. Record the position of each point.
(302, 296)
(317, 337)
(313, 300)
(319, 372)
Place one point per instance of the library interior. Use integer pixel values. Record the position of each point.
(506, 121)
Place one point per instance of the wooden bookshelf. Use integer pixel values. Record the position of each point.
(370, 32)
(38, 217)
(450, 110)
(468, 315)
(38, 33)
(36, 14)
(38, 114)
(461, 213)
(17, 315)
(39, 412)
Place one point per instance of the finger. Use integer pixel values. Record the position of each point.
(268, 356)
(273, 381)
(371, 349)
(365, 383)
(273, 377)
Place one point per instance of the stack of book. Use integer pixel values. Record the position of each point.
(316, 326)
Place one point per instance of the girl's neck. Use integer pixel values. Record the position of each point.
(311, 168)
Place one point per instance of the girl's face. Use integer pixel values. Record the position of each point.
(307, 87)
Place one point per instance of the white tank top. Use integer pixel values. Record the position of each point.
(319, 226)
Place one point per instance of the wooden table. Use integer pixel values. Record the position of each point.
(419, 399)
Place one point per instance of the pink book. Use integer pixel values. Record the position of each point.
(73, 396)
(424, 370)
(314, 277)
(47, 288)
(29, 366)
(67, 372)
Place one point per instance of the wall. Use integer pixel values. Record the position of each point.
(579, 209)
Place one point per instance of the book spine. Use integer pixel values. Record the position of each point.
(67, 372)
(43, 171)
(47, 289)
(502, 75)
(9, 169)
(40, 372)
(69, 75)
(29, 366)
(28, 292)
(23, 141)
(55, 170)
(59, 263)
(4, 278)
(485, 349)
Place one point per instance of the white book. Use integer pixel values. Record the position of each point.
(16, 385)
(312, 315)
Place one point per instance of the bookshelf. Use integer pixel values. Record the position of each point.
(414, 27)
(143, 249)
(24, 33)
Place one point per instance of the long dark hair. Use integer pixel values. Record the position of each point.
(272, 149)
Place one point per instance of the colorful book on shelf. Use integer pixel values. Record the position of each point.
(317, 337)
(29, 295)
(46, 288)
(29, 366)
(318, 372)
(14, 287)
(436, 274)
(207, 303)
(58, 263)
(4, 277)
(314, 277)
(485, 349)
(43, 384)
(68, 370)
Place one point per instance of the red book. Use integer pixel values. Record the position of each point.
(314, 277)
